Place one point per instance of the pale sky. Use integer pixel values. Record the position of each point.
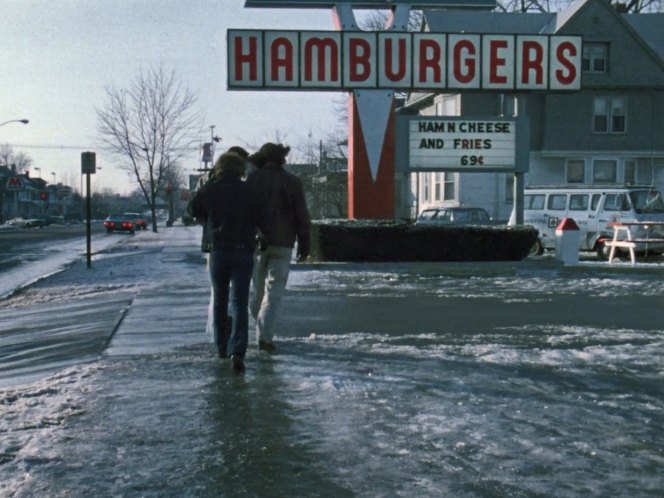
(57, 57)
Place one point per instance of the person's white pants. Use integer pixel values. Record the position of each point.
(269, 284)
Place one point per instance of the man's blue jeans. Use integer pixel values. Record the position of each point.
(232, 265)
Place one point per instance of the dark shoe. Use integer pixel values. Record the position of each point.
(224, 335)
(267, 346)
(237, 362)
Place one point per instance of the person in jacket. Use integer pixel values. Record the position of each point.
(227, 202)
(211, 175)
(283, 220)
(206, 243)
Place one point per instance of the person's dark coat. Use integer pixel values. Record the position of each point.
(227, 204)
(282, 213)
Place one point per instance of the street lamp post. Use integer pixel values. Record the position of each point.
(38, 169)
(53, 173)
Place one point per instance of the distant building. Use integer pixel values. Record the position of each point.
(22, 196)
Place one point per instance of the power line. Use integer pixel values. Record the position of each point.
(47, 146)
(76, 147)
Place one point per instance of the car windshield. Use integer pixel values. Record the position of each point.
(647, 201)
(428, 214)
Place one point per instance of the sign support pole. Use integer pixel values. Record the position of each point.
(522, 157)
(88, 167)
(88, 212)
(371, 157)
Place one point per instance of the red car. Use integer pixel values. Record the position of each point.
(140, 222)
(119, 223)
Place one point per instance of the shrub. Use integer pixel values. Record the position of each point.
(387, 240)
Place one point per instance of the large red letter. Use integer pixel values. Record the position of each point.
(250, 58)
(391, 74)
(429, 59)
(533, 59)
(321, 46)
(563, 50)
(495, 62)
(360, 53)
(469, 62)
(285, 61)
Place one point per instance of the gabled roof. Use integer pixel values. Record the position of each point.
(450, 21)
(650, 27)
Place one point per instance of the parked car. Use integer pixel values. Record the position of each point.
(55, 220)
(139, 221)
(27, 223)
(461, 215)
(119, 223)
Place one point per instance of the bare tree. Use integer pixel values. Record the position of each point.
(149, 127)
(8, 158)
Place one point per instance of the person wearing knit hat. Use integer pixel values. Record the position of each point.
(227, 203)
(283, 220)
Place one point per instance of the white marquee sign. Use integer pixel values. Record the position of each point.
(458, 144)
(334, 60)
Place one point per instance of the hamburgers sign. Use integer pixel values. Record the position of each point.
(349, 60)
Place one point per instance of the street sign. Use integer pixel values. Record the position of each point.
(88, 163)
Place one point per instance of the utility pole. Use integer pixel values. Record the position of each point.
(208, 150)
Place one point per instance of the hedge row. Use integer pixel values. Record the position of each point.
(383, 241)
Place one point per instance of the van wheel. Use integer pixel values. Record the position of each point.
(537, 249)
(602, 250)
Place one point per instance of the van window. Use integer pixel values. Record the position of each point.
(595, 201)
(533, 201)
(557, 202)
(578, 202)
(647, 201)
(616, 202)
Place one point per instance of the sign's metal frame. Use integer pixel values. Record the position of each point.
(370, 4)
(499, 157)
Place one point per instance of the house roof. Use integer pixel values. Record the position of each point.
(650, 27)
(449, 21)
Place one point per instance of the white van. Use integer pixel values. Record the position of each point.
(593, 208)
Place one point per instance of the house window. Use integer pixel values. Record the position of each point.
(609, 115)
(630, 171)
(509, 188)
(507, 105)
(426, 186)
(449, 186)
(644, 171)
(576, 171)
(605, 171)
(594, 58)
(451, 105)
(436, 186)
(618, 115)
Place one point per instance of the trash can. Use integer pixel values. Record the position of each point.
(567, 241)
